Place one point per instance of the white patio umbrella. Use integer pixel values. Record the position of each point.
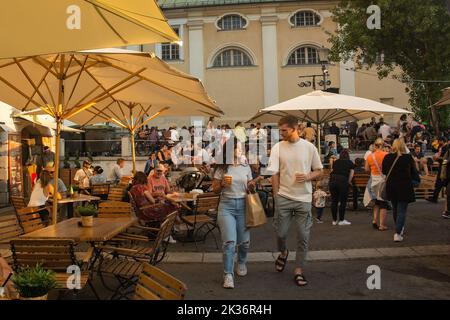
(83, 86)
(319, 106)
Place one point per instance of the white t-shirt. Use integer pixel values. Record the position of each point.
(287, 158)
(82, 176)
(241, 175)
(385, 130)
(174, 136)
(37, 197)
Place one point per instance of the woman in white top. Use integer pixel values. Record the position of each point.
(41, 190)
(232, 181)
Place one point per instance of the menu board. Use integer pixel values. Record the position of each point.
(15, 165)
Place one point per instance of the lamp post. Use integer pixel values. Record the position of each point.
(323, 60)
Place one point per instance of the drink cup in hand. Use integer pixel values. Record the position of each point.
(227, 179)
(300, 177)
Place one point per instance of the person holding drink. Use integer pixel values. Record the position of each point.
(294, 163)
(231, 180)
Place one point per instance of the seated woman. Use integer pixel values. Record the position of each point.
(41, 192)
(149, 209)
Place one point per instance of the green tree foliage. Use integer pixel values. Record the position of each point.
(414, 37)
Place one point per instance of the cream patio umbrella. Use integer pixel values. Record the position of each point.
(29, 28)
(445, 100)
(66, 85)
(319, 106)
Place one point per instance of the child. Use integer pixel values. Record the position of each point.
(319, 200)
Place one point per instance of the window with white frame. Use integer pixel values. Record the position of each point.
(304, 55)
(305, 18)
(231, 22)
(232, 57)
(171, 51)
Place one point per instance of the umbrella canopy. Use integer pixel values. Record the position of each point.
(320, 106)
(87, 87)
(445, 100)
(29, 28)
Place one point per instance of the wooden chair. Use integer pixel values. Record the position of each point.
(125, 270)
(116, 193)
(30, 218)
(124, 181)
(426, 187)
(100, 190)
(18, 202)
(155, 284)
(202, 216)
(9, 229)
(53, 254)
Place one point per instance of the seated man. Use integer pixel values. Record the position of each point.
(419, 159)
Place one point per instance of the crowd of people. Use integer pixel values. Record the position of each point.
(235, 160)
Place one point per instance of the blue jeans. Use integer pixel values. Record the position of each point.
(399, 212)
(319, 212)
(231, 220)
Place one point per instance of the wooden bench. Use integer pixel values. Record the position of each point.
(116, 193)
(9, 228)
(426, 187)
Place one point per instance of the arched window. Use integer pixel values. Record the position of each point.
(231, 22)
(232, 57)
(305, 18)
(304, 55)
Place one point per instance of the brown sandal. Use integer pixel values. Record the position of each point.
(382, 228)
(280, 263)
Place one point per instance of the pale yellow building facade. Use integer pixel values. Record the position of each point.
(266, 35)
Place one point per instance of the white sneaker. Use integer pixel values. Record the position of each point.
(170, 239)
(344, 223)
(334, 223)
(241, 269)
(398, 238)
(228, 282)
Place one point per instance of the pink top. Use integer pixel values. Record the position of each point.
(158, 184)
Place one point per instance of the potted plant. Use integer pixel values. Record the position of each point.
(34, 283)
(87, 215)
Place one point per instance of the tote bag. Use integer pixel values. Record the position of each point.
(255, 215)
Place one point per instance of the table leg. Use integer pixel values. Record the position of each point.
(70, 210)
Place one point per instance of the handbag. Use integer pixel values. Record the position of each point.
(381, 190)
(255, 214)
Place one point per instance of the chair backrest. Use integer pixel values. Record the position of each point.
(165, 230)
(9, 228)
(114, 209)
(206, 202)
(30, 219)
(52, 254)
(100, 189)
(124, 181)
(155, 284)
(18, 202)
(115, 193)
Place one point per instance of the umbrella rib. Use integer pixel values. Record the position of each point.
(332, 115)
(13, 62)
(154, 116)
(141, 113)
(36, 89)
(119, 89)
(78, 78)
(123, 113)
(47, 70)
(19, 91)
(38, 61)
(325, 115)
(76, 72)
(68, 66)
(87, 95)
(49, 92)
(99, 113)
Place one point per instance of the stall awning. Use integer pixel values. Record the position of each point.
(46, 124)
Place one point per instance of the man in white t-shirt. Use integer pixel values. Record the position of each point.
(385, 130)
(294, 163)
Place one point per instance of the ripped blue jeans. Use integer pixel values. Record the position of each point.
(231, 220)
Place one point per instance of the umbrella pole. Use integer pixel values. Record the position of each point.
(318, 137)
(56, 175)
(133, 151)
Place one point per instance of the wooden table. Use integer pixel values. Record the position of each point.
(181, 197)
(77, 198)
(103, 229)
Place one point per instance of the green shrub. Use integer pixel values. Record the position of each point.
(33, 282)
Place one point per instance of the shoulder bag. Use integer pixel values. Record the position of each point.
(381, 191)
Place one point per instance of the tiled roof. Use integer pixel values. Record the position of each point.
(173, 4)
